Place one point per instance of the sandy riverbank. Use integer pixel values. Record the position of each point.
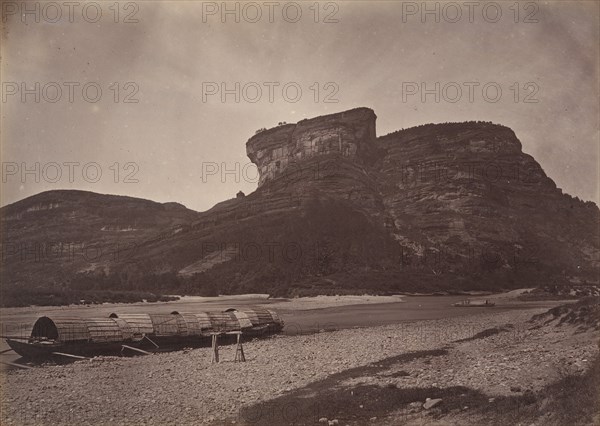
(207, 303)
(185, 388)
(318, 302)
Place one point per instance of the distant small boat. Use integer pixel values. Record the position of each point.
(474, 303)
(78, 337)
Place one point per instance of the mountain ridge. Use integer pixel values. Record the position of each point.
(449, 206)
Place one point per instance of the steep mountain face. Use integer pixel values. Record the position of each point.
(472, 195)
(436, 207)
(51, 236)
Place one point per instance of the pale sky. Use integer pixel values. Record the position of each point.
(174, 51)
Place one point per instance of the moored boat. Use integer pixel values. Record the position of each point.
(74, 336)
(474, 303)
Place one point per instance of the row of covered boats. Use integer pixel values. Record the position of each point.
(77, 336)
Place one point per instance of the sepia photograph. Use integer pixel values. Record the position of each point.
(337, 213)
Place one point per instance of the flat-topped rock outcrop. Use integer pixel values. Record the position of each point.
(350, 134)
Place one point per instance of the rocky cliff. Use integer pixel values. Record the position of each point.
(437, 207)
(350, 134)
(470, 192)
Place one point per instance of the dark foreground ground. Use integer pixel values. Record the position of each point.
(545, 371)
(491, 367)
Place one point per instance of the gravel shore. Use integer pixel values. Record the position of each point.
(185, 388)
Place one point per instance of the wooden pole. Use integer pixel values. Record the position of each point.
(150, 340)
(134, 349)
(69, 355)
(239, 350)
(15, 364)
(215, 349)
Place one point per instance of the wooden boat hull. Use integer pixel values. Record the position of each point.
(38, 351)
(127, 334)
(28, 350)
